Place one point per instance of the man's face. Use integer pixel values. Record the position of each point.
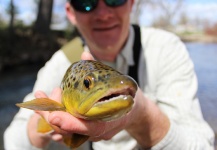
(104, 28)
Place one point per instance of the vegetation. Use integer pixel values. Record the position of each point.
(26, 47)
(34, 44)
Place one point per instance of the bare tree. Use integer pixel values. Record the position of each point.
(43, 21)
(183, 20)
(169, 9)
(11, 12)
(137, 10)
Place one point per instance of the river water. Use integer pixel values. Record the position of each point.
(14, 85)
(204, 57)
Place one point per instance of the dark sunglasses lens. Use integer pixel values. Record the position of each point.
(84, 5)
(115, 2)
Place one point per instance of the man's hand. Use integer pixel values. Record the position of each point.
(37, 139)
(65, 123)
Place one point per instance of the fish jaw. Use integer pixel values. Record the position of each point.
(109, 101)
(111, 109)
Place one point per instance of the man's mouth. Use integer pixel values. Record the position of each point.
(105, 28)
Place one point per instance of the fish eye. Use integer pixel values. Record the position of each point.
(88, 82)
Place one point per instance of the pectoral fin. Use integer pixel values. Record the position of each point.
(43, 104)
(43, 126)
(75, 140)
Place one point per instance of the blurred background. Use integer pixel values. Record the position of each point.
(32, 30)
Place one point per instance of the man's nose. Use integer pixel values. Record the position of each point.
(103, 11)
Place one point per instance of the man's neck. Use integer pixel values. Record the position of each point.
(105, 55)
(109, 53)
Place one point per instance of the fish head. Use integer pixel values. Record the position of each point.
(94, 91)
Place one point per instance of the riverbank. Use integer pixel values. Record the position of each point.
(199, 38)
(25, 47)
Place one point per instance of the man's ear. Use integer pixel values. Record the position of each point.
(70, 13)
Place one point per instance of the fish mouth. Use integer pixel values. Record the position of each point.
(114, 94)
(113, 105)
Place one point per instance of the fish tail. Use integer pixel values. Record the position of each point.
(74, 140)
(43, 126)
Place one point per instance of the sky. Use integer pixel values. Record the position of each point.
(27, 11)
(194, 9)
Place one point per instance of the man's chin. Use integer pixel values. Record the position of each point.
(109, 45)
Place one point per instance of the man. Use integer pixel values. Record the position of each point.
(166, 114)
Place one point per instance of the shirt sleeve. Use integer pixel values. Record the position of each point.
(15, 136)
(175, 94)
(49, 77)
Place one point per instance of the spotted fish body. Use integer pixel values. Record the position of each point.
(91, 91)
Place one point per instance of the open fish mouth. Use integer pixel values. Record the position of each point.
(113, 95)
(110, 99)
(114, 104)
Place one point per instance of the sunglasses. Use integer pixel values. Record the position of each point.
(90, 5)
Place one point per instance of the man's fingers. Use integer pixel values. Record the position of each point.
(40, 94)
(55, 95)
(67, 122)
(86, 56)
(43, 114)
(57, 137)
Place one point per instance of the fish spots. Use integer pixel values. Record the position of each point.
(101, 78)
(76, 73)
(76, 84)
(69, 85)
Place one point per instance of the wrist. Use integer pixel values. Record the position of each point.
(149, 125)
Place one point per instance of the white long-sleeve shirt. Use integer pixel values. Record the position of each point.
(166, 76)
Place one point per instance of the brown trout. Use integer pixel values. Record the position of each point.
(90, 91)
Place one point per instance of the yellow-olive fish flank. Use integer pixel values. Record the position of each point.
(90, 91)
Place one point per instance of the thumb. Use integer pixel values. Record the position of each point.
(86, 56)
